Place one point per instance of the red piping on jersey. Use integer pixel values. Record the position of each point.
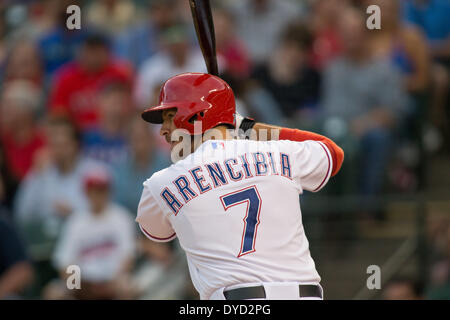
(337, 154)
(157, 238)
(328, 169)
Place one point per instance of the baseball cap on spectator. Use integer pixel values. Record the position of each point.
(99, 178)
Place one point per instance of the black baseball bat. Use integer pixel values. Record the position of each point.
(204, 27)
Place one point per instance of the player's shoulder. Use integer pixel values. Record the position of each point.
(158, 177)
(288, 147)
(250, 143)
(155, 176)
(269, 145)
(212, 149)
(239, 146)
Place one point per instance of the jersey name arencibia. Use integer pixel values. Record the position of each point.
(234, 206)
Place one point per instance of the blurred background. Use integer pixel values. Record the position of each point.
(74, 151)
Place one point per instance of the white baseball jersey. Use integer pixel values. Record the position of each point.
(234, 206)
(98, 244)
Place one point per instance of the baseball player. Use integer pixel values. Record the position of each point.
(233, 203)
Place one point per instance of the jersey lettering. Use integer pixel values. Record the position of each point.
(172, 201)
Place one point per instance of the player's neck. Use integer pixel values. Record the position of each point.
(220, 132)
(225, 131)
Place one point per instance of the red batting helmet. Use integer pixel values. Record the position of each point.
(197, 97)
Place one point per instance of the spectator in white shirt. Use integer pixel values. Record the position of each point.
(53, 188)
(101, 242)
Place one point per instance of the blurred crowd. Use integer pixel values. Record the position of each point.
(74, 152)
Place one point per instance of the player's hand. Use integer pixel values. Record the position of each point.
(239, 119)
(243, 125)
(238, 133)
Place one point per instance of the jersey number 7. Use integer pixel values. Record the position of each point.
(250, 196)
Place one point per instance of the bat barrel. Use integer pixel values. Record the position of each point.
(204, 27)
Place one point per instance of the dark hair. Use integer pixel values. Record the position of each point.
(96, 39)
(10, 183)
(58, 120)
(113, 85)
(297, 33)
(416, 286)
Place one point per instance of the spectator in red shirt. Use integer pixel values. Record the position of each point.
(78, 82)
(20, 136)
(326, 44)
(231, 50)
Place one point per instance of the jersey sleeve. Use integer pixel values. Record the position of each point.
(311, 164)
(152, 221)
